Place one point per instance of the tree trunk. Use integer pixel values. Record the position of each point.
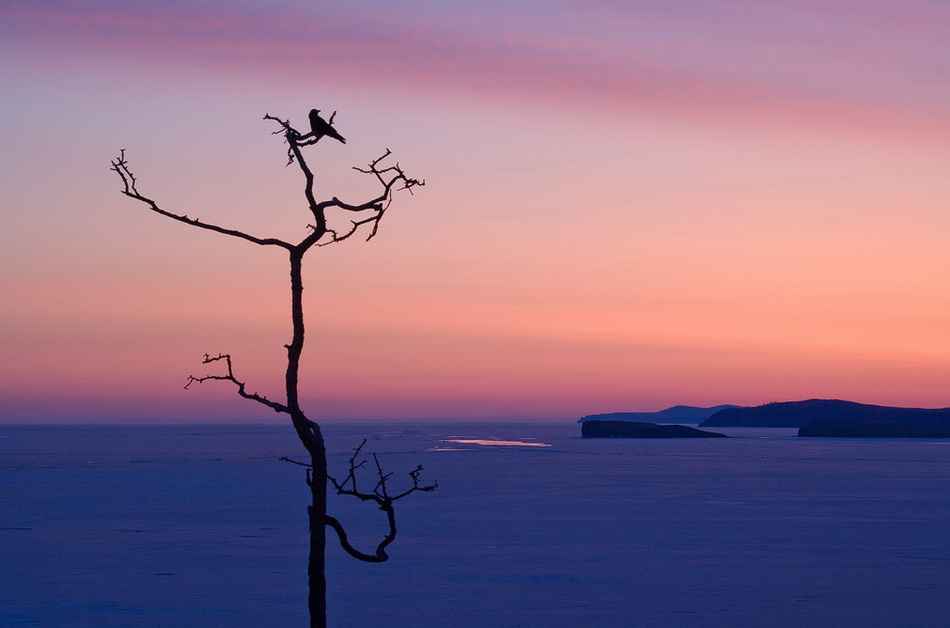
(316, 569)
(312, 439)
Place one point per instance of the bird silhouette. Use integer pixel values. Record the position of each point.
(321, 127)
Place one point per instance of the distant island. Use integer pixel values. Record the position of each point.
(676, 414)
(636, 429)
(834, 417)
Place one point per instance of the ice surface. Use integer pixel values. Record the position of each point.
(202, 525)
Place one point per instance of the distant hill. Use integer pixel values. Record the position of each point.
(802, 413)
(676, 414)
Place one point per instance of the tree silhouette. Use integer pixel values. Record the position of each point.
(364, 217)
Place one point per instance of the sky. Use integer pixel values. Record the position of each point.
(628, 205)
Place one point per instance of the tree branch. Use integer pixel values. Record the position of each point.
(130, 189)
(380, 495)
(392, 178)
(296, 462)
(229, 377)
(291, 135)
(389, 177)
(294, 141)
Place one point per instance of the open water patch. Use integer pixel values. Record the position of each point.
(492, 442)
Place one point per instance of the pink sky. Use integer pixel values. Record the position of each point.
(629, 205)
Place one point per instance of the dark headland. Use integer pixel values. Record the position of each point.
(636, 429)
(837, 418)
(645, 424)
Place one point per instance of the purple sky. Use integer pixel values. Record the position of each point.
(628, 205)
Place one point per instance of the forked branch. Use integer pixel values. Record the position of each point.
(229, 377)
(380, 494)
(392, 178)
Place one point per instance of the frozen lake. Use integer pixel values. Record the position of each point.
(202, 525)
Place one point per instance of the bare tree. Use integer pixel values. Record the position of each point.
(363, 217)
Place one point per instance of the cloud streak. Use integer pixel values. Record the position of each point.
(741, 63)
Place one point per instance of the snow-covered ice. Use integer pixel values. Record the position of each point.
(202, 525)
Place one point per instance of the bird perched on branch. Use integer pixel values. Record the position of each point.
(321, 127)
